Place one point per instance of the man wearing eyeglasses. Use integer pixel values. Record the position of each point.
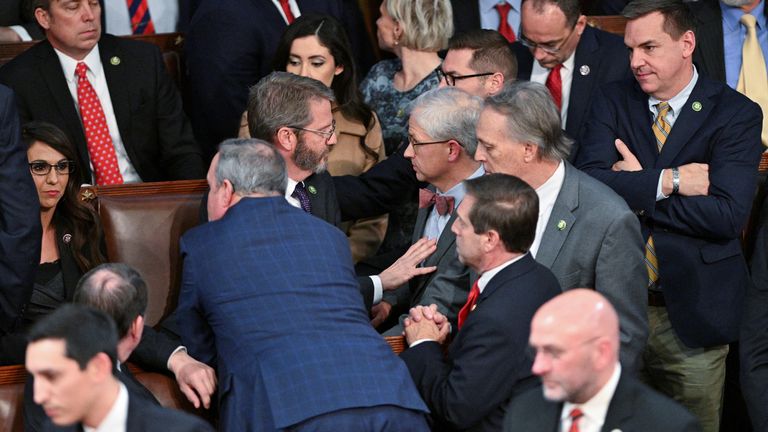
(574, 346)
(572, 58)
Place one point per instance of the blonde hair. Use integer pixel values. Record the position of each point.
(427, 24)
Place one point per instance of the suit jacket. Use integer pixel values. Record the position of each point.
(303, 344)
(466, 15)
(228, 51)
(634, 407)
(145, 416)
(709, 55)
(486, 363)
(697, 239)
(324, 203)
(155, 132)
(600, 246)
(602, 55)
(20, 231)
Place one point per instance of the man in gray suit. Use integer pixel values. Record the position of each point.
(441, 153)
(586, 234)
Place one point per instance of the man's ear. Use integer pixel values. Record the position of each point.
(494, 83)
(43, 18)
(286, 139)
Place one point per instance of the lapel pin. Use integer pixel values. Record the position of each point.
(114, 61)
(312, 190)
(696, 106)
(584, 70)
(561, 225)
(67, 238)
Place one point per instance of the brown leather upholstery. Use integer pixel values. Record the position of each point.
(143, 224)
(611, 23)
(12, 398)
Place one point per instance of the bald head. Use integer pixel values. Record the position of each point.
(576, 338)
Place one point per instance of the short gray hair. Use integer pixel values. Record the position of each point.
(252, 166)
(427, 24)
(449, 113)
(282, 99)
(532, 117)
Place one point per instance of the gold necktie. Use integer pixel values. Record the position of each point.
(661, 129)
(753, 79)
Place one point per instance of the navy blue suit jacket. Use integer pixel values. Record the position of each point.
(20, 232)
(486, 363)
(276, 306)
(602, 55)
(702, 269)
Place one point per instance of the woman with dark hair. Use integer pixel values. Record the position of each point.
(316, 46)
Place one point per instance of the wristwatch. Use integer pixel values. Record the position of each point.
(675, 180)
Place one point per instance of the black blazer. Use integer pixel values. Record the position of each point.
(634, 407)
(600, 58)
(466, 15)
(156, 133)
(486, 364)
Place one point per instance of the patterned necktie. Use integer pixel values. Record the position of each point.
(469, 306)
(753, 78)
(300, 193)
(141, 21)
(661, 129)
(575, 416)
(443, 203)
(100, 147)
(287, 10)
(555, 85)
(504, 27)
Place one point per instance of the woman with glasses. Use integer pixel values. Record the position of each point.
(316, 46)
(71, 231)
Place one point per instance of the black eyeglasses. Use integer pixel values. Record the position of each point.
(451, 79)
(547, 48)
(42, 168)
(414, 143)
(325, 134)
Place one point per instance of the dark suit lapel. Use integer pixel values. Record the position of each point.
(621, 406)
(119, 84)
(556, 232)
(642, 142)
(581, 84)
(317, 191)
(687, 123)
(421, 220)
(524, 61)
(502, 278)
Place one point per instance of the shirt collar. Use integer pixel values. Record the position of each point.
(92, 60)
(732, 16)
(460, 189)
(487, 5)
(488, 275)
(596, 408)
(117, 417)
(676, 102)
(553, 183)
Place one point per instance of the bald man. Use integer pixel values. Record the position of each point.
(575, 341)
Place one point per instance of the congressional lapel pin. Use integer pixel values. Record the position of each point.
(67, 238)
(114, 61)
(696, 106)
(561, 225)
(312, 190)
(584, 70)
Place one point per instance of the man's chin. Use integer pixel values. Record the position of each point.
(553, 394)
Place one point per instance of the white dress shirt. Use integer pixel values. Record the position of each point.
(436, 223)
(164, 14)
(98, 81)
(117, 418)
(595, 409)
(548, 193)
(294, 9)
(539, 74)
(490, 19)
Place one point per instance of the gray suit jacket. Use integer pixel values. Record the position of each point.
(447, 287)
(593, 240)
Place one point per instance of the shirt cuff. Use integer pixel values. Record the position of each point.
(22, 32)
(168, 362)
(659, 194)
(419, 341)
(378, 290)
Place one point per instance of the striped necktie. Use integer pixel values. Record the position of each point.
(661, 129)
(141, 21)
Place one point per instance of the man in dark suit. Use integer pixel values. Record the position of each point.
(71, 355)
(682, 150)
(228, 51)
(119, 85)
(301, 353)
(20, 232)
(486, 363)
(557, 48)
(575, 340)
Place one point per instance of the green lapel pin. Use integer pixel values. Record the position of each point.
(561, 225)
(114, 61)
(312, 190)
(696, 106)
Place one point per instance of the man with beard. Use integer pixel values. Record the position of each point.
(294, 114)
(575, 344)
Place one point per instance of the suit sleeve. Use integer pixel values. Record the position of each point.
(196, 333)
(366, 290)
(733, 158)
(154, 350)
(20, 232)
(448, 289)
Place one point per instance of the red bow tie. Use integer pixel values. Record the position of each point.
(443, 203)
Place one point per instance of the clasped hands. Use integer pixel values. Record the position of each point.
(694, 177)
(425, 322)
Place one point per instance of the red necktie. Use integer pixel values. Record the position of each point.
(100, 147)
(575, 415)
(443, 203)
(555, 85)
(504, 28)
(287, 9)
(469, 306)
(141, 21)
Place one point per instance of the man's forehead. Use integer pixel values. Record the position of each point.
(45, 353)
(456, 59)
